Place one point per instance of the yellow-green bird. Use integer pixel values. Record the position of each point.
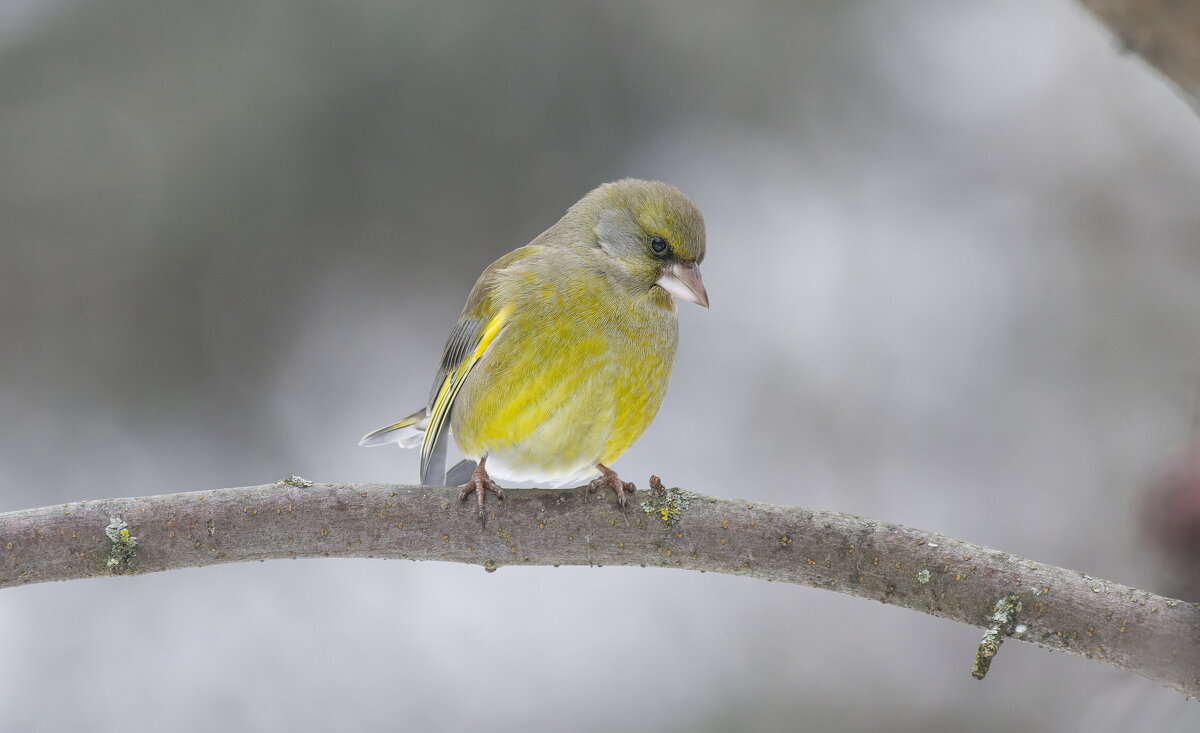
(562, 354)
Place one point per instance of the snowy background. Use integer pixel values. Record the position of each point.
(953, 261)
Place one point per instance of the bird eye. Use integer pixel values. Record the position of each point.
(658, 244)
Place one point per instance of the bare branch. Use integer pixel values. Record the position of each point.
(1164, 32)
(1156, 637)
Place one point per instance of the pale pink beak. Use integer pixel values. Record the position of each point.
(684, 282)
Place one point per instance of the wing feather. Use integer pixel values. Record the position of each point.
(482, 319)
(467, 344)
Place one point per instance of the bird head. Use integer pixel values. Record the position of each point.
(653, 232)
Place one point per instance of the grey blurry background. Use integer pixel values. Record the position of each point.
(953, 259)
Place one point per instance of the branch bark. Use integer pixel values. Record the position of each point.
(1065, 610)
(1164, 32)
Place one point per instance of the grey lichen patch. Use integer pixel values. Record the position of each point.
(297, 481)
(123, 544)
(663, 504)
(924, 576)
(1004, 616)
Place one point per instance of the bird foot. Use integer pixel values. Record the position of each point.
(608, 477)
(479, 485)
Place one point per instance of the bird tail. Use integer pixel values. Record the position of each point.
(408, 433)
(460, 472)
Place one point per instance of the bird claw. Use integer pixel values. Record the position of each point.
(608, 477)
(479, 484)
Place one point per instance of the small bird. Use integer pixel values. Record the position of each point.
(562, 354)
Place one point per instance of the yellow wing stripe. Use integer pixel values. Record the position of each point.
(491, 331)
(453, 382)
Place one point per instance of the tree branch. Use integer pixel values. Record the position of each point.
(1164, 32)
(1154, 636)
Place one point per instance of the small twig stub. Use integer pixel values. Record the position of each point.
(1004, 616)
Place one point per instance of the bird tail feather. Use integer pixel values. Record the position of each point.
(460, 472)
(408, 433)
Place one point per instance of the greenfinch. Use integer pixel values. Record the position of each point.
(562, 354)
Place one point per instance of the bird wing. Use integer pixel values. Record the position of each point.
(482, 320)
(468, 342)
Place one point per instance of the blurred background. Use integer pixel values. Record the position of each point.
(953, 260)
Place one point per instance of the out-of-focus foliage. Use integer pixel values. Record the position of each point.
(953, 259)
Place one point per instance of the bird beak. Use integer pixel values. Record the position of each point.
(683, 281)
